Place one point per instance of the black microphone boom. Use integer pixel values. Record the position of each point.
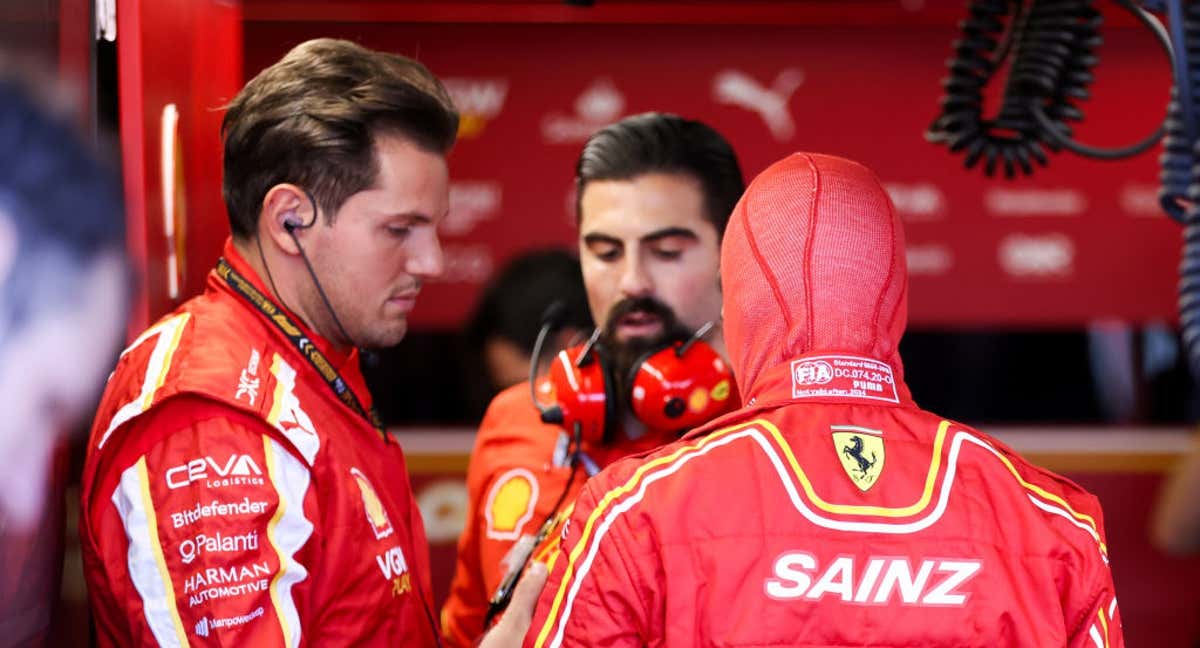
(551, 320)
(553, 315)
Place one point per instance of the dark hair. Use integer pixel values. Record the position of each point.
(312, 119)
(64, 203)
(514, 300)
(660, 142)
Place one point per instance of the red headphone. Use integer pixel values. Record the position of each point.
(676, 387)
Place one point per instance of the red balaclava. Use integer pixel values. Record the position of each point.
(812, 261)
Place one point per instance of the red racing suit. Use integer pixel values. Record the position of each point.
(230, 498)
(518, 471)
(830, 510)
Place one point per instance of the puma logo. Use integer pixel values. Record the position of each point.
(771, 104)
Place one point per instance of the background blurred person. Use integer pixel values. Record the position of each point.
(63, 293)
(504, 325)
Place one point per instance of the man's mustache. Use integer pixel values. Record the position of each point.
(647, 305)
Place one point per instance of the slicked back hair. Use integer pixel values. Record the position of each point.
(664, 143)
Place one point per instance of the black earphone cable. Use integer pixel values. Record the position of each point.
(291, 227)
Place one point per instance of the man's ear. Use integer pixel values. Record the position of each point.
(285, 207)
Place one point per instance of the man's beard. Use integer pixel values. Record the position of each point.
(623, 354)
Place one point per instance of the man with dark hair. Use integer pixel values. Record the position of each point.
(654, 194)
(63, 291)
(239, 488)
(830, 510)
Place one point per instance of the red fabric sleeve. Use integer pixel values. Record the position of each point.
(596, 594)
(1089, 598)
(198, 520)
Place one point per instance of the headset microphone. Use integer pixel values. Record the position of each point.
(551, 320)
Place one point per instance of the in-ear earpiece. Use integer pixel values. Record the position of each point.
(291, 223)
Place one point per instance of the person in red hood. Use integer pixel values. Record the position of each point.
(239, 489)
(830, 510)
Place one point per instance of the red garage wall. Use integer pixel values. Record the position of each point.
(1080, 240)
(185, 53)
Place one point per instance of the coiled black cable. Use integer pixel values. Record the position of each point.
(1052, 43)
(1176, 163)
(1180, 174)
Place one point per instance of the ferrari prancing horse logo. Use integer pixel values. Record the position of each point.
(861, 452)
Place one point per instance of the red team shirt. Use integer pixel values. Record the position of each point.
(229, 497)
(518, 472)
(831, 510)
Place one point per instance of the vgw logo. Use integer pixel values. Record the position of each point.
(197, 470)
(394, 568)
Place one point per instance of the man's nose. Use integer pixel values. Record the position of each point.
(635, 280)
(427, 261)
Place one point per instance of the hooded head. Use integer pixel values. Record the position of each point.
(812, 261)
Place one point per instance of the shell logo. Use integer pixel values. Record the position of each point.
(510, 504)
(377, 517)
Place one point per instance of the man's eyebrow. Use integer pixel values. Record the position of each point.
(670, 232)
(419, 217)
(593, 238)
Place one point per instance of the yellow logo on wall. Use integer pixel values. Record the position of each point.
(861, 452)
(377, 517)
(510, 504)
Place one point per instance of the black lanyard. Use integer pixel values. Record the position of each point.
(247, 291)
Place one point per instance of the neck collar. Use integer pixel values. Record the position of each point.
(339, 359)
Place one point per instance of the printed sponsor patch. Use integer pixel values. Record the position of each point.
(248, 380)
(377, 517)
(205, 626)
(235, 580)
(861, 452)
(843, 376)
(217, 509)
(510, 504)
(236, 470)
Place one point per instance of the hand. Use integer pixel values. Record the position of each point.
(510, 630)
